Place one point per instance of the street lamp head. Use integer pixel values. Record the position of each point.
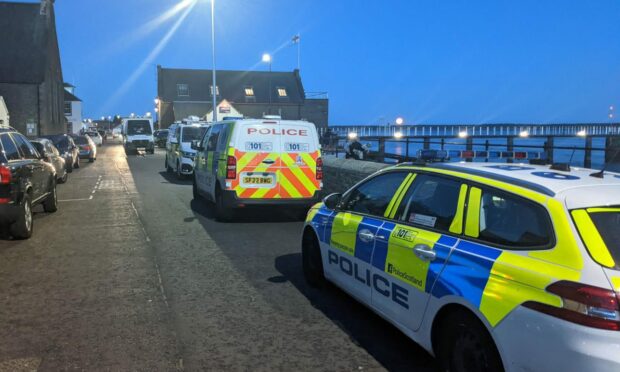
(156, 109)
(148, 114)
(582, 133)
(267, 58)
(524, 134)
(156, 101)
(352, 135)
(398, 135)
(463, 134)
(399, 121)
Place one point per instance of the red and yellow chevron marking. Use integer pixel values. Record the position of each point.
(293, 180)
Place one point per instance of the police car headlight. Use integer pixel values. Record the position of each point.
(188, 154)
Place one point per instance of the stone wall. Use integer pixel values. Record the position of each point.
(340, 174)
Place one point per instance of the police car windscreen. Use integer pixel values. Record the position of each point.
(608, 225)
(192, 134)
(135, 127)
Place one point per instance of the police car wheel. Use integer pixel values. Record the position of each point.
(195, 192)
(223, 212)
(466, 346)
(311, 260)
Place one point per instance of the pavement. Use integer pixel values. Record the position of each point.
(132, 274)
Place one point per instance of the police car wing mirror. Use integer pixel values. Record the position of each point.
(331, 201)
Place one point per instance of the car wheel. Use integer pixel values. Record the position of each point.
(91, 160)
(64, 178)
(69, 168)
(223, 212)
(465, 345)
(77, 162)
(195, 192)
(22, 227)
(50, 205)
(178, 171)
(311, 260)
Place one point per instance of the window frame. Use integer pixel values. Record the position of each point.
(508, 195)
(347, 194)
(280, 90)
(33, 151)
(19, 154)
(69, 105)
(185, 86)
(249, 88)
(214, 128)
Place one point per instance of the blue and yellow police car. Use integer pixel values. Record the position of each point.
(489, 267)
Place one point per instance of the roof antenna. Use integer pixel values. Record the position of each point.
(570, 161)
(601, 174)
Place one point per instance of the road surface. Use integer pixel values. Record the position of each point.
(132, 274)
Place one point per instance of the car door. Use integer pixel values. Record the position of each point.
(411, 251)
(36, 168)
(354, 230)
(54, 157)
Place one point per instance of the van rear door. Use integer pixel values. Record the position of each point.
(297, 175)
(257, 152)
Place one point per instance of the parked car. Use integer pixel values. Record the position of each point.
(179, 153)
(51, 155)
(26, 180)
(160, 137)
(68, 150)
(88, 149)
(96, 137)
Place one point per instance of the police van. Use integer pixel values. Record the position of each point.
(179, 153)
(258, 162)
(489, 267)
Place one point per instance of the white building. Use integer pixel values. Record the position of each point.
(73, 109)
(4, 114)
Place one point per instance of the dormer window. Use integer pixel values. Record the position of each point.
(282, 92)
(249, 91)
(182, 90)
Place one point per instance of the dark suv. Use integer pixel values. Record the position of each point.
(26, 180)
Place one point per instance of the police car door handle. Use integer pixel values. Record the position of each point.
(268, 161)
(366, 236)
(424, 252)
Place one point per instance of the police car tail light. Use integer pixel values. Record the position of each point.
(231, 168)
(319, 169)
(5, 175)
(583, 304)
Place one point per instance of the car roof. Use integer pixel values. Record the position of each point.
(539, 178)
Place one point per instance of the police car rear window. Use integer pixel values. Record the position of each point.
(608, 226)
(513, 222)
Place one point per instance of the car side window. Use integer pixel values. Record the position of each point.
(513, 222)
(223, 136)
(25, 147)
(373, 196)
(214, 137)
(431, 201)
(10, 149)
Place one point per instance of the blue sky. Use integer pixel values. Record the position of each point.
(449, 61)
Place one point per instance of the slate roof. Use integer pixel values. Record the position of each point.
(231, 85)
(70, 97)
(23, 46)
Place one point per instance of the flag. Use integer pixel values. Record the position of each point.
(296, 39)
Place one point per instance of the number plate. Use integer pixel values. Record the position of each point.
(296, 147)
(257, 180)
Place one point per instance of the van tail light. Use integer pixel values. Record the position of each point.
(319, 169)
(5, 175)
(231, 168)
(86, 148)
(583, 304)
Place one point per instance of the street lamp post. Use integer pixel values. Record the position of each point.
(267, 59)
(214, 94)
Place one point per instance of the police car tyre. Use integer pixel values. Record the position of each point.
(22, 227)
(168, 168)
(178, 171)
(195, 191)
(222, 211)
(69, 168)
(311, 260)
(464, 345)
(50, 205)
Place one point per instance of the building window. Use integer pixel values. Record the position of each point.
(249, 91)
(282, 92)
(217, 90)
(183, 90)
(68, 109)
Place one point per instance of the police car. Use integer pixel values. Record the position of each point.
(487, 266)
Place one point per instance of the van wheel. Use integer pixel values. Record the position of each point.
(311, 260)
(64, 178)
(223, 212)
(178, 171)
(50, 205)
(168, 168)
(195, 192)
(465, 345)
(22, 227)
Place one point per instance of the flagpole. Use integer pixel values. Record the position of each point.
(214, 91)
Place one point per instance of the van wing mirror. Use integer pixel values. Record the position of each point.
(196, 146)
(332, 201)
